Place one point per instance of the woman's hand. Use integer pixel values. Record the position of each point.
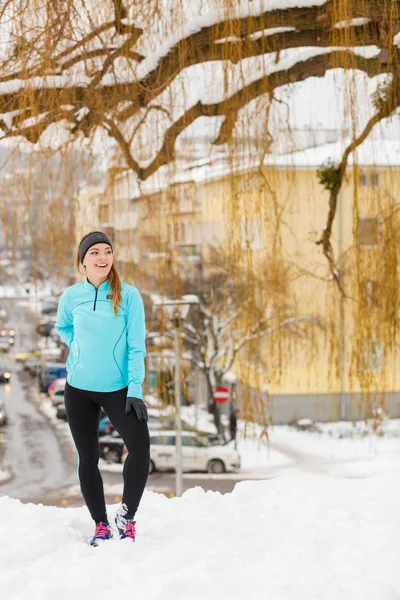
(137, 405)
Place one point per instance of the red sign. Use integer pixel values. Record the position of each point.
(221, 394)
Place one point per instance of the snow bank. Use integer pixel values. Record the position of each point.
(342, 443)
(300, 537)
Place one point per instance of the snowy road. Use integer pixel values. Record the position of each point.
(30, 448)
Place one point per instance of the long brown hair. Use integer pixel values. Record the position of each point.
(114, 282)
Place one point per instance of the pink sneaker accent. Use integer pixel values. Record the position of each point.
(130, 531)
(101, 533)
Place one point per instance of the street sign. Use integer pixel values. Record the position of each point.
(221, 395)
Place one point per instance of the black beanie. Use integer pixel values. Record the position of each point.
(96, 237)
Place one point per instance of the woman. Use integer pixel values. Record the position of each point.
(102, 321)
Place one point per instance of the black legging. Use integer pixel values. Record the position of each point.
(83, 414)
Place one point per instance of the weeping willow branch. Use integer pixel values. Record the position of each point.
(120, 14)
(332, 177)
(55, 74)
(316, 66)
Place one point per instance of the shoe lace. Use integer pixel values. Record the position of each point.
(130, 530)
(101, 531)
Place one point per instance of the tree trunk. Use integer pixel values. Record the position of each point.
(213, 407)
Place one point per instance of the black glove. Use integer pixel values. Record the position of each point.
(137, 405)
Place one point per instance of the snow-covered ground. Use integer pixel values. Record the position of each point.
(299, 537)
(326, 527)
(341, 449)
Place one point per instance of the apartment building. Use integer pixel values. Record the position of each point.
(166, 235)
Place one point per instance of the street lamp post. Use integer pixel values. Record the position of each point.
(177, 310)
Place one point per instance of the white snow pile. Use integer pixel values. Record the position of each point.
(300, 537)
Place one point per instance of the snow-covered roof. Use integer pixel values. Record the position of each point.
(374, 152)
(371, 153)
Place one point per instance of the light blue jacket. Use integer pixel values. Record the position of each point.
(106, 351)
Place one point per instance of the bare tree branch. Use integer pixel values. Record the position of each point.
(391, 103)
(316, 66)
(120, 14)
(254, 335)
(230, 38)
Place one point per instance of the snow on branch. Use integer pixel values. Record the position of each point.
(48, 80)
(314, 66)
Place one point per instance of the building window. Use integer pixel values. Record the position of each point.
(370, 294)
(182, 235)
(368, 232)
(199, 238)
(369, 180)
(371, 358)
(104, 211)
(212, 233)
(374, 179)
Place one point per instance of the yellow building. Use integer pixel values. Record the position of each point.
(166, 235)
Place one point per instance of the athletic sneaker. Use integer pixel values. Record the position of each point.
(130, 531)
(126, 527)
(101, 534)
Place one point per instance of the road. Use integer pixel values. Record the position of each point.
(31, 449)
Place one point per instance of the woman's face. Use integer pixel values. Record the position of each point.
(98, 261)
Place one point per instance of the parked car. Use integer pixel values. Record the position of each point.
(60, 411)
(49, 373)
(33, 364)
(4, 345)
(57, 397)
(23, 356)
(111, 447)
(5, 369)
(56, 385)
(49, 307)
(46, 326)
(105, 426)
(3, 414)
(7, 332)
(53, 354)
(7, 335)
(197, 452)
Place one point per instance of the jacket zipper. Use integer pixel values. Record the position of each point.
(95, 300)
